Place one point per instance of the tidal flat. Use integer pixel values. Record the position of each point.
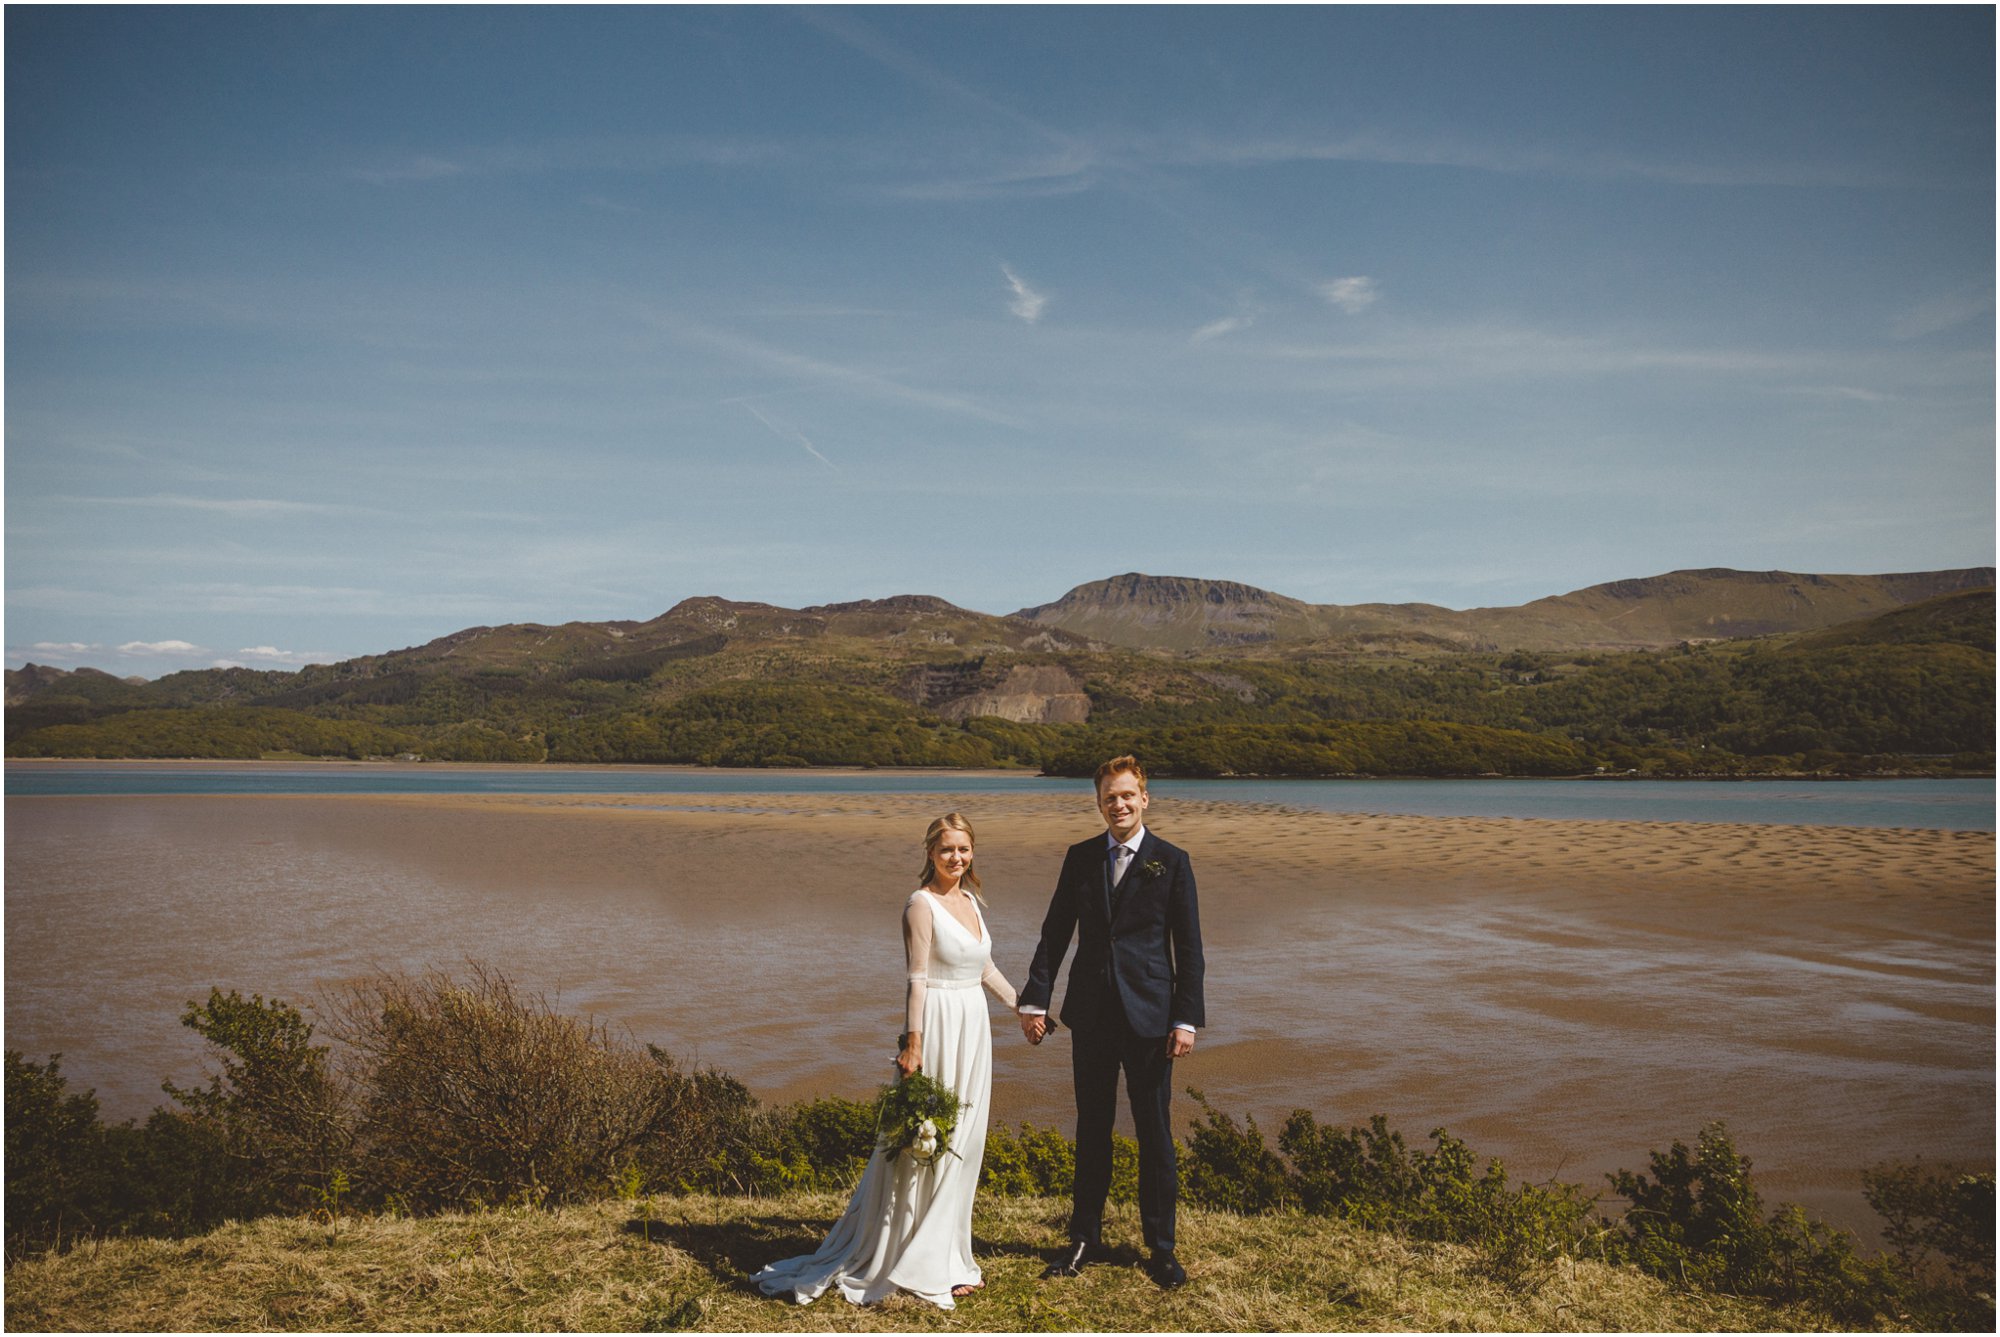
(1566, 995)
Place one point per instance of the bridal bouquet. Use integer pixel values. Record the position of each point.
(915, 1117)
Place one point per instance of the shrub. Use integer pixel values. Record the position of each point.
(816, 1144)
(1230, 1168)
(177, 1176)
(1940, 1223)
(57, 1187)
(1370, 1176)
(1362, 1174)
(71, 1177)
(475, 1094)
(1036, 1162)
(1041, 1162)
(699, 1138)
(276, 1109)
(1699, 1220)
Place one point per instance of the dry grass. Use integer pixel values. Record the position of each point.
(604, 1267)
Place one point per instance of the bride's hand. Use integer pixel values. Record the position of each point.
(908, 1060)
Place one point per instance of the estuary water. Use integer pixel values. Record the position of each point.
(1944, 805)
(1813, 963)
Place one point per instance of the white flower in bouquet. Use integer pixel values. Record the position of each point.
(917, 1116)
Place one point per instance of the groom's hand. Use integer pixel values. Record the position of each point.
(1034, 1025)
(1180, 1043)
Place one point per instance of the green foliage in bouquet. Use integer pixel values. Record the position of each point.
(916, 1115)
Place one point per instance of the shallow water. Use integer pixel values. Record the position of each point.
(1569, 1029)
(1952, 805)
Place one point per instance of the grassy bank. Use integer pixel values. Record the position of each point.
(607, 1266)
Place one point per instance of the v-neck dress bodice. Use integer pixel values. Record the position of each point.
(958, 955)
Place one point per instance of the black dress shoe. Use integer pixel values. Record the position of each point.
(1166, 1270)
(1074, 1257)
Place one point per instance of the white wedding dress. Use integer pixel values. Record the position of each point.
(909, 1226)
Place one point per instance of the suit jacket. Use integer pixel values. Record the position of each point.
(1138, 945)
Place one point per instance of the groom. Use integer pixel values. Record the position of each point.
(1134, 1002)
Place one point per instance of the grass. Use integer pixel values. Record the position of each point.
(678, 1264)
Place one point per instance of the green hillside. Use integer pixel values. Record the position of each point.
(917, 682)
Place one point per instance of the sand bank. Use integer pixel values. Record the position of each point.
(1565, 994)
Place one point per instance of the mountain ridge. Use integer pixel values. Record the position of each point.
(1174, 615)
(914, 680)
(1191, 614)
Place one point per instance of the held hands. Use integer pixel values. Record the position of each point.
(1036, 1026)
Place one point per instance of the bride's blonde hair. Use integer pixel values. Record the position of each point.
(934, 836)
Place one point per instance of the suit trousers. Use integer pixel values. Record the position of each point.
(1097, 1053)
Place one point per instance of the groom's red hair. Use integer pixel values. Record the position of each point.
(1124, 765)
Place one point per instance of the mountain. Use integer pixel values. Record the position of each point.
(1965, 618)
(1692, 672)
(84, 684)
(934, 653)
(1217, 617)
(1180, 613)
(1712, 604)
(707, 625)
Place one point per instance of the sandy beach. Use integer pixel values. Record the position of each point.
(1565, 995)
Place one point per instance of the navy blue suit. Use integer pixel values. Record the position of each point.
(1137, 974)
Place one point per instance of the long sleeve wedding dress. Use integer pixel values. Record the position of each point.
(909, 1225)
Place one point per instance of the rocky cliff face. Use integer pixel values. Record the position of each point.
(1029, 694)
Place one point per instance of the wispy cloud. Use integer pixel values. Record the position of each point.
(789, 433)
(1851, 394)
(638, 155)
(842, 26)
(821, 370)
(250, 506)
(1352, 295)
(1524, 159)
(240, 597)
(1070, 165)
(1215, 329)
(1069, 172)
(1449, 355)
(1027, 303)
(1941, 314)
(419, 168)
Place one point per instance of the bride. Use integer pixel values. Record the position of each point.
(909, 1225)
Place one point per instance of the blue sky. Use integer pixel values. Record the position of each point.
(330, 331)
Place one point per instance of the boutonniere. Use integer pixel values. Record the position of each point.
(1153, 868)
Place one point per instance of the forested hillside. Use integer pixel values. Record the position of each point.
(919, 683)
